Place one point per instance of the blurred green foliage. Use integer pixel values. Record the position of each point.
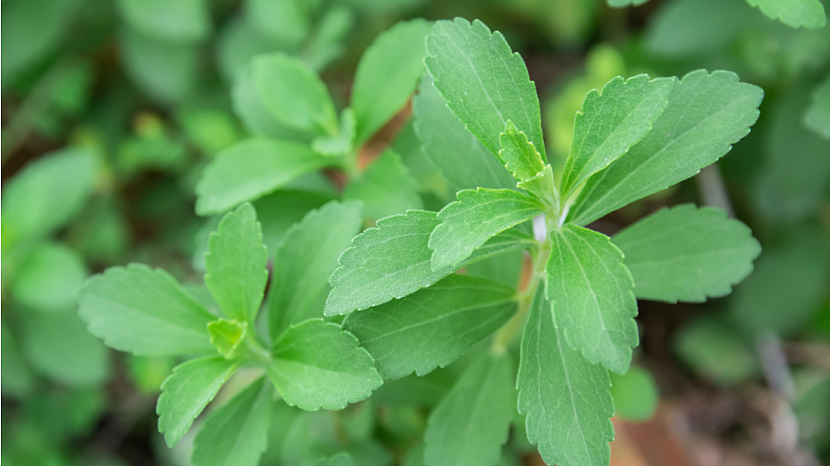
(112, 110)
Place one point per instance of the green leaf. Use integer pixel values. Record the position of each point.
(250, 108)
(687, 254)
(237, 43)
(635, 394)
(301, 437)
(46, 194)
(305, 259)
(432, 327)
(342, 142)
(179, 21)
(319, 365)
(625, 3)
(565, 398)
(688, 27)
(168, 71)
(284, 21)
(461, 158)
(716, 350)
(787, 287)
(794, 13)
(186, 392)
(250, 169)
(794, 169)
(326, 44)
(59, 346)
(817, 117)
(472, 422)
(236, 433)
(209, 130)
(387, 75)
(148, 374)
(25, 46)
(226, 336)
(707, 113)
(611, 121)
(340, 459)
(474, 218)
(145, 312)
(294, 95)
(17, 379)
(593, 296)
(235, 263)
(484, 82)
(280, 210)
(518, 154)
(49, 279)
(543, 187)
(386, 188)
(393, 260)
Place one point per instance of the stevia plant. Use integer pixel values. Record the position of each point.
(633, 138)
(293, 352)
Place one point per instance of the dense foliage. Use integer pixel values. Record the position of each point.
(407, 248)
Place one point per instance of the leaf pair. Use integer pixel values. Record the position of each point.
(313, 364)
(289, 104)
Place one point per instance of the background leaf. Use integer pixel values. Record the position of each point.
(471, 423)
(787, 286)
(635, 394)
(179, 21)
(319, 365)
(716, 350)
(795, 13)
(387, 75)
(592, 295)
(817, 117)
(287, 22)
(564, 397)
(250, 169)
(18, 379)
(340, 459)
(250, 108)
(432, 327)
(24, 45)
(483, 81)
(687, 254)
(168, 71)
(386, 188)
(46, 194)
(49, 278)
(706, 114)
(304, 261)
(46, 340)
(235, 263)
(144, 312)
(294, 95)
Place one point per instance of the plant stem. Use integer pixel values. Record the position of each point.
(509, 330)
